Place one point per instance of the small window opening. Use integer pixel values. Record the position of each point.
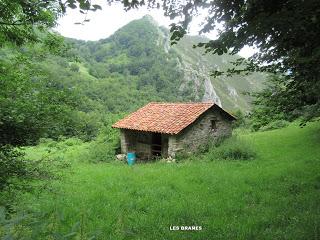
(213, 125)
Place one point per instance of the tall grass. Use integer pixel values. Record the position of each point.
(234, 148)
(102, 149)
(274, 196)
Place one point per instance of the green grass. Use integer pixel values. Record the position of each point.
(274, 196)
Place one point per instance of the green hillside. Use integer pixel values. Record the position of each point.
(275, 195)
(137, 62)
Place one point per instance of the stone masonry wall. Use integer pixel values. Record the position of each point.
(200, 132)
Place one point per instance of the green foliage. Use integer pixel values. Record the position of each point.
(21, 225)
(102, 148)
(74, 67)
(32, 104)
(275, 125)
(19, 174)
(21, 21)
(273, 105)
(241, 120)
(12, 166)
(234, 148)
(106, 145)
(63, 150)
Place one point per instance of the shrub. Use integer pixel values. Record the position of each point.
(241, 120)
(17, 174)
(182, 156)
(74, 67)
(275, 125)
(48, 142)
(12, 165)
(72, 142)
(106, 145)
(103, 149)
(233, 148)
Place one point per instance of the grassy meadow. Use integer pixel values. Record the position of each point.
(275, 195)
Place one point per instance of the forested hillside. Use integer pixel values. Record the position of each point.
(139, 65)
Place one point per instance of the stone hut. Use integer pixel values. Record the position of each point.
(164, 129)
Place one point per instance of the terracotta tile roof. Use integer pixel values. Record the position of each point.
(168, 118)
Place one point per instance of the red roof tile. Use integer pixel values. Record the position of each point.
(168, 118)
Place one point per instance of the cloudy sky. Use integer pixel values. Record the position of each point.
(105, 22)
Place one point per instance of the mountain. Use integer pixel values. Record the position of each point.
(138, 63)
(228, 92)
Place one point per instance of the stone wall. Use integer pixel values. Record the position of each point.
(210, 127)
(173, 146)
(123, 141)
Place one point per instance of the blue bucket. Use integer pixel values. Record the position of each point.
(131, 158)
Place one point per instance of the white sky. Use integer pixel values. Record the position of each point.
(105, 22)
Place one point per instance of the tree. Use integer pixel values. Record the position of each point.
(22, 20)
(32, 104)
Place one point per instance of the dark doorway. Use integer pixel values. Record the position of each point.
(156, 145)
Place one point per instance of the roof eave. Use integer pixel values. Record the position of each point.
(140, 130)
